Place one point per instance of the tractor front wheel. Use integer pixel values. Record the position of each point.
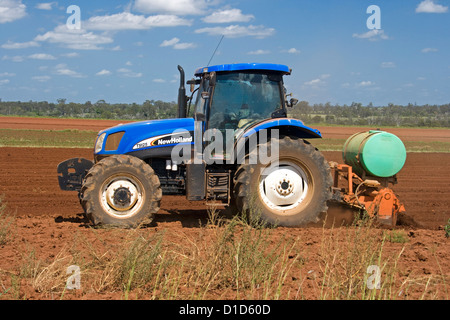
(122, 191)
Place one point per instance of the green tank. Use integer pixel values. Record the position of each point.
(376, 153)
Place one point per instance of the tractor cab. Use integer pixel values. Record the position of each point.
(237, 96)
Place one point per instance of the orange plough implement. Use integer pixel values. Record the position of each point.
(370, 194)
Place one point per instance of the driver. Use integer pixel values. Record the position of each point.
(244, 112)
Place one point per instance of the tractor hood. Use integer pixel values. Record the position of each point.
(156, 138)
(135, 136)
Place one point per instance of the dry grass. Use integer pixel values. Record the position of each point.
(6, 223)
(226, 259)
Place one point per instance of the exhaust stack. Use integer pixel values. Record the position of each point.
(182, 102)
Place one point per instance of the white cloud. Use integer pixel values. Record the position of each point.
(20, 45)
(427, 50)
(236, 31)
(228, 16)
(123, 70)
(74, 39)
(259, 52)
(128, 63)
(14, 58)
(179, 7)
(171, 42)
(159, 80)
(388, 65)
(293, 51)
(130, 74)
(134, 75)
(372, 35)
(4, 81)
(365, 84)
(313, 82)
(7, 74)
(36, 56)
(184, 46)
(318, 81)
(428, 6)
(71, 55)
(42, 56)
(68, 72)
(63, 70)
(129, 21)
(42, 78)
(176, 44)
(11, 10)
(45, 6)
(103, 72)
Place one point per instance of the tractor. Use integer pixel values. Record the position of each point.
(233, 145)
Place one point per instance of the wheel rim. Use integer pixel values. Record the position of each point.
(285, 186)
(122, 196)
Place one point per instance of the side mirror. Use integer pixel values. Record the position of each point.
(193, 82)
(293, 102)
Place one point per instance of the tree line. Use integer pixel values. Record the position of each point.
(411, 115)
(150, 109)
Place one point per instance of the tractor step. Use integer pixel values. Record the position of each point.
(218, 184)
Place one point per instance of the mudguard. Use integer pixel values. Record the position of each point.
(72, 172)
(293, 126)
(285, 126)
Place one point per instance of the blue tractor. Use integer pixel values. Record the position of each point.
(241, 110)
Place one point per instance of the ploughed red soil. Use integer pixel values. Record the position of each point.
(29, 183)
(47, 218)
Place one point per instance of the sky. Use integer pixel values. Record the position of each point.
(340, 51)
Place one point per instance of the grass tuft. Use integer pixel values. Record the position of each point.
(226, 259)
(7, 223)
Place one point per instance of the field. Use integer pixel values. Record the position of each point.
(190, 252)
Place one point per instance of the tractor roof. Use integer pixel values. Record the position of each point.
(244, 67)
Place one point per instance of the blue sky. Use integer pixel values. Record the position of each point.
(128, 51)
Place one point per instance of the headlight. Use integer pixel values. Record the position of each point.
(99, 143)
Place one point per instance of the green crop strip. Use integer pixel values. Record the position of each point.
(85, 139)
(47, 138)
(327, 144)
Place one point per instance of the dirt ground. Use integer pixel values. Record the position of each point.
(47, 218)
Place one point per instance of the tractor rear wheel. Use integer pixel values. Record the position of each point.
(291, 191)
(121, 190)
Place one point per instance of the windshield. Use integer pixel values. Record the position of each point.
(241, 99)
